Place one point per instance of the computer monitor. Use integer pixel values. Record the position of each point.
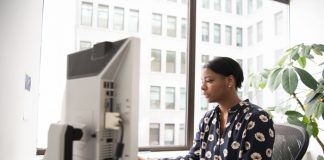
(103, 79)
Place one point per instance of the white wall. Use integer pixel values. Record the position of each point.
(20, 44)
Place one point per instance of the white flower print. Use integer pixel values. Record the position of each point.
(227, 124)
(242, 103)
(236, 116)
(208, 154)
(206, 119)
(225, 152)
(202, 135)
(235, 145)
(271, 133)
(217, 157)
(202, 158)
(247, 116)
(211, 137)
(269, 152)
(217, 131)
(214, 121)
(238, 126)
(256, 156)
(247, 145)
(229, 134)
(197, 152)
(203, 145)
(240, 154)
(194, 143)
(221, 141)
(259, 136)
(250, 125)
(263, 118)
(207, 128)
(246, 109)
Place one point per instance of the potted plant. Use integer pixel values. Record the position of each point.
(289, 72)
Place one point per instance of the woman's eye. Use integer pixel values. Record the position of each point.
(209, 81)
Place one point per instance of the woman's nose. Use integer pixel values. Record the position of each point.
(203, 87)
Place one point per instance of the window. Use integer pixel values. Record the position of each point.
(183, 27)
(182, 98)
(156, 24)
(172, 0)
(155, 97)
(170, 98)
(228, 35)
(239, 7)
(85, 45)
(204, 59)
(171, 62)
(205, 4)
(156, 60)
(250, 35)
(228, 6)
(183, 63)
(103, 13)
(185, 2)
(259, 3)
(182, 134)
(133, 22)
(119, 19)
(217, 33)
(154, 133)
(278, 23)
(172, 26)
(240, 62)
(250, 6)
(239, 37)
(86, 14)
(260, 31)
(205, 32)
(217, 5)
(169, 134)
(203, 103)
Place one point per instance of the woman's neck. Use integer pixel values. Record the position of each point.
(228, 103)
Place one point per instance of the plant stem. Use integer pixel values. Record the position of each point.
(320, 143)
(298, 101)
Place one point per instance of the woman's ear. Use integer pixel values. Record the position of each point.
(230, 81)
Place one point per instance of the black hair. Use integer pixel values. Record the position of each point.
(226, 66)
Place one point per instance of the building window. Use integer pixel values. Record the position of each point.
(172, 26)
(86, 14)
(240, 62)
(217, 33)
(170, 98)
(260, 31)
(155, 96)
(184, 28)
(169, 134)
(173, 1)
(133, 23)
(239, 37)
(156, 24)
(171, 62)
(217, 5)
(85, 45)
(205, 4)
(182, 134)
(259, 3)
(205, 32)
(278, 22)
(228, 6)
(228, 35)
(119, 19)
(204, 59)
(154, 133)
(185, 2)
(239, 7)
(156, 60)
(250, 35)
(183, 63)
(203, 103)
(182, 98)
(103, 14)
(250, 6)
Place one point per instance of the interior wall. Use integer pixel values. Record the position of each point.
(20, 45)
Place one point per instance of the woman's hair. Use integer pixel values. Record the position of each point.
(226, 66)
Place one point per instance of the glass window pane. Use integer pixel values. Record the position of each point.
(183, 63)
(184, 28)
(154, 134)
(133, 23)
(103, 13)
(204, 59)
(118, 18)
(85, 45)
(217, 33)
(228, 35)
(183, 98)
(171, 62)
(278, 23)
(239, 7)
(250, 35)
(205, 31)
(86, 14)
(239, 37)
(172, 26)
(182, 134)
(205, 4)
(260, 31)
(156, 60)
(228, 6)
(170, 98)
(156, 24)
(169, 134)
(259, 3)
(250, 6)
(217, 5)
(155, 96)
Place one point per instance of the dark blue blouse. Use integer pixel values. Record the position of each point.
(248, 134)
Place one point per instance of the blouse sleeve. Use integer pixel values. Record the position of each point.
(258, 137)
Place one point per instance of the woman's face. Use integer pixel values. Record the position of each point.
(214, 86)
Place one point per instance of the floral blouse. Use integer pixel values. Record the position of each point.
(248, 134)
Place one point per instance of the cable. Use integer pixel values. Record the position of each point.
(120, 145)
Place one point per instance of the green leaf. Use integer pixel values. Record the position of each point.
(317, 51)
(294, 54)
(312, 129)
(289, 80)
(296, 121)
(275, 79)
(319, 157)
(293, 114)
(302, 61)
(305, 120)
(307, 52)
(282, 60)
(315, 107)
(306, 78)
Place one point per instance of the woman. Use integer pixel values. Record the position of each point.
(235, 129)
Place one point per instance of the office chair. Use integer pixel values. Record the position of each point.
(291, 142)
